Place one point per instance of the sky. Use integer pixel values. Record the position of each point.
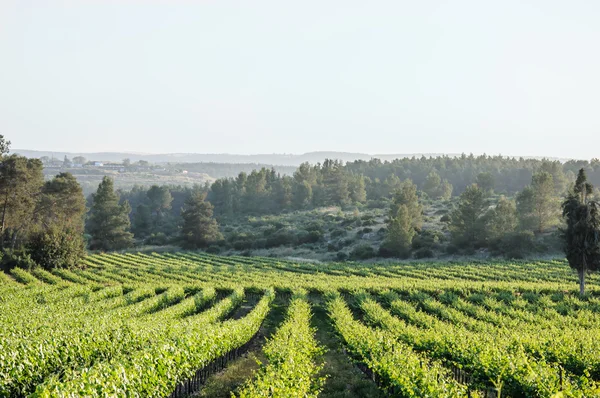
(511, 77)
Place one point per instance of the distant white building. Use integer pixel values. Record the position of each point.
(98, 164)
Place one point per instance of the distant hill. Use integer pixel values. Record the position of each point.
(260, 159)
(263, 159)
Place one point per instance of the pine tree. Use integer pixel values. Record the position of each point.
(502, 220)
(432, 185)
(400, 233)
(467, 223)
(407, 195)
(199, 229)
(582, 234)
(404, 220)
(545, 203)
(108, 221)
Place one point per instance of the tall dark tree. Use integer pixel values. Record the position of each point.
(467, 220)
(58, 240)
(407, 196)
(582, 233)
(160, 202)
(108, 221)
(199, 228)
(21, 180)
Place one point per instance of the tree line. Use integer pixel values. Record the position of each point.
(49, 223)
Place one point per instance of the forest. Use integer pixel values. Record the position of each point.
(411, 207)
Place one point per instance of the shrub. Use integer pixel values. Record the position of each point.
(336, 233)
(514, 245)
(362, 252)
(341, 256)
(423, 253)
(10, 259)
(56, 248)
(158, 239)
(214, 249)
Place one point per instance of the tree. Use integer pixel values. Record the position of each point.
(142, 221)
(356, 186)
(62, 204)
(582, 233)
(108, 221)
(79, 160)
(66, 162)
(446, 189)
(485, 181)
(545, 206)
(404, 220)
(160, 201)
(400, 232)
(502, 220)
(467, 221)
(525, 209)
(4, 146)
(199, 228)
(302, 194)
(432, 185)
(537, 206)
(126, 162)
(21, 180)
(407, 196)
(58, 239)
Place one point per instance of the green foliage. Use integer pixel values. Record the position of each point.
(399, 368)
(18, 258)
(467, 223)
(292, 354)
(400, 233)
(502, 219)
(199, 228)
(363, 252)
(407, 196)
(486, 182)
(108, 221)
(56, 248)
(582, 234)
(62, 204)
(21, 181)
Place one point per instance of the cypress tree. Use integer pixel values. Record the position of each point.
(582, 233)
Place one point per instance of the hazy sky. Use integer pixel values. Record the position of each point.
(513, 76)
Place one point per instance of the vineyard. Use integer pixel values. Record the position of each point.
(161, 325)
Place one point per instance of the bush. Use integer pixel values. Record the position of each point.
(514, 245)
(309, 236)
(55, 248)
(336, 233)
(341, 256)
(385, 252)
(213, 249)
(452, 249)
(10, 259)
(362, 252)
(158, 239)
(423, 253)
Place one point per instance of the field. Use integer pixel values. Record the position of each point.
(193, 324)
